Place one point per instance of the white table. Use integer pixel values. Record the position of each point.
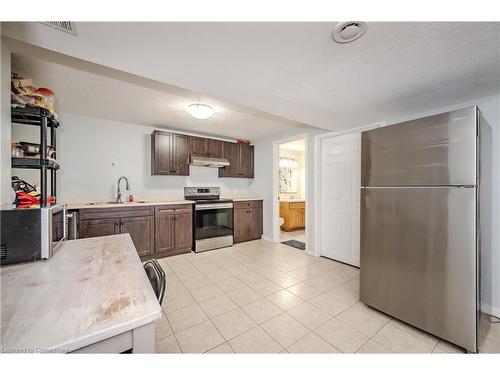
(91, 296)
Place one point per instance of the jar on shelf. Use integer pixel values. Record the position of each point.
(48, 99)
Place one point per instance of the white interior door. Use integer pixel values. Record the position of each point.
(340, 194)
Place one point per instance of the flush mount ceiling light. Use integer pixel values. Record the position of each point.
(201, 111)
(346, 32)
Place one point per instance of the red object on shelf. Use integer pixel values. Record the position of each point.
(243, 141)
(45, 91)
(28, 200)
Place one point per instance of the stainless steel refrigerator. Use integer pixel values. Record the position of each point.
(426, 224)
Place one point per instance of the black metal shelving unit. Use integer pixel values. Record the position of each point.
(46, 121)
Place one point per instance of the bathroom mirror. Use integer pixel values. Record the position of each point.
(288, 179)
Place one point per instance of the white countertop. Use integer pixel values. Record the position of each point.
(82, 205)
(79, 206)
(241, 199)
(90, 290)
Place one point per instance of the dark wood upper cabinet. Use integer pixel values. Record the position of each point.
(246, 161)
(215, 148)
(240, 157)
(231, 153)
(180, 154)
(199, 146)
(169, 154)
(161, 153)
(208, 147)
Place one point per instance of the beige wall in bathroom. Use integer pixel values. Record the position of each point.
(300, 157)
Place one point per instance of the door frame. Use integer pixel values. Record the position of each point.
(276, 208)
(318, 167)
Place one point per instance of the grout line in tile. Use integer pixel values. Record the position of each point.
(286, 312)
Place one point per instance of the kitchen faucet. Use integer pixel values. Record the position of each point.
(119, 193)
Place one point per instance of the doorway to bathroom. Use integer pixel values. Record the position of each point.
(290, 190)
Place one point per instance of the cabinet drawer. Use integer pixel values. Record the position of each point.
(178, 208)
(247, 204)
(297, 205)
(105, 213)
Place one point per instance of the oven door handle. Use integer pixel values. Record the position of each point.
(212, 206)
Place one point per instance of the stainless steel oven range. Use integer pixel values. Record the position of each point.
(212, 218)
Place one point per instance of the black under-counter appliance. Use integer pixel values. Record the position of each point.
(29, 234)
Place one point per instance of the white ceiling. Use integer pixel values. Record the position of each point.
(294, 70)
(298, 145)
(93, 91)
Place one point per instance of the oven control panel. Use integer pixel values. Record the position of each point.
(201, 191)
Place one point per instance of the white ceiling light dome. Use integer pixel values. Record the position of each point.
(200, 111)
(346, 32)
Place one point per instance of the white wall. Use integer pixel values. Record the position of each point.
(94, 153)
(263, 184)
(5, 184)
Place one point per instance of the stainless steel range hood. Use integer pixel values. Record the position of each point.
(202, 161)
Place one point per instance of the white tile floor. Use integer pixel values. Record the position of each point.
(261, 297)
(298, 235)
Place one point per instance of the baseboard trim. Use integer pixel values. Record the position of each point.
(266, 238)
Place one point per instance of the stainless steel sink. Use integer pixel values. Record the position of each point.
(114, 203)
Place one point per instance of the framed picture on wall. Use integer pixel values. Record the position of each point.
(288, 178)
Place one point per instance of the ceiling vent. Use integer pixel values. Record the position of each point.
(346, 32)
(66, 26)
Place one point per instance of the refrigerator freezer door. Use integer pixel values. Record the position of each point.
(418, 258)
(436, 150)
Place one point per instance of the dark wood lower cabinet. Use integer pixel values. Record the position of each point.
(141, 229)
(159, 231)
(173, 229)
(156, 231)
(183, 231)
(247, 221)
(164, 230)
(99, 227)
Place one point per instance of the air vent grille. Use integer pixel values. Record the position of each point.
(3, 252)
(66, 26)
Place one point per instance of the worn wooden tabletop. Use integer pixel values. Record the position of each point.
(90, 290)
